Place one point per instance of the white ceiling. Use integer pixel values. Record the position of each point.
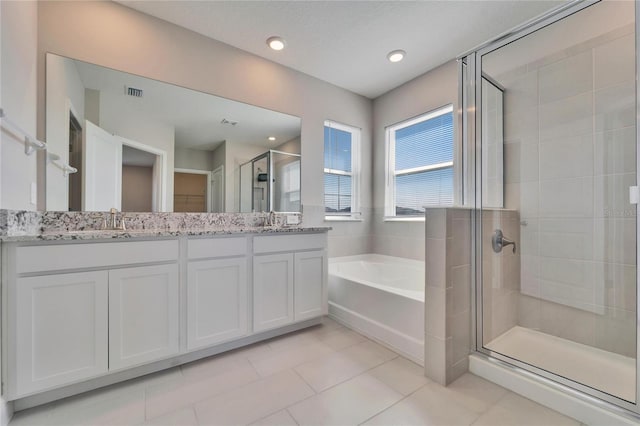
(346, 42)
(196, 116)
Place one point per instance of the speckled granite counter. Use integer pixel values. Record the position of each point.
(17, 225)
(149, 233)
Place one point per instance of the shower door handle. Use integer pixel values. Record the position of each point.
(499, 241)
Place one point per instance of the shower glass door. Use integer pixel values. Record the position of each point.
(556, 163)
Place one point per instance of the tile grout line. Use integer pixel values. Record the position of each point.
(353, 377)
(197, 401)
(304, 381)
(195, 413)
(491, 406)
(394, 404)
(145, 403)
(291, 415)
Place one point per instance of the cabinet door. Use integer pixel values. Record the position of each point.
(61, 329)
(310, 282)
(272, 291)
(216, 301)
(143, 314)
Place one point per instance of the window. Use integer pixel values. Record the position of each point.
(341, 170)
(420, 163)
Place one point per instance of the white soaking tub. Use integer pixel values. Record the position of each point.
(382, 297)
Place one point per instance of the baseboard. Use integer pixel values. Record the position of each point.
(398, 342)
(6, 412)
(586, 409)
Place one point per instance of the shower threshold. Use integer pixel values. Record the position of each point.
(606, 371)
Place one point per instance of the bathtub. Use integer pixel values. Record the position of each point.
(381, 297)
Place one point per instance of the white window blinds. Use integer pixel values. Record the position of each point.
(420, 160)
(340, 169)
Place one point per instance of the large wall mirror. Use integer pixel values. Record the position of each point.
(143, 145)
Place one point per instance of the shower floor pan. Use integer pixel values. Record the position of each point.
(606, 371)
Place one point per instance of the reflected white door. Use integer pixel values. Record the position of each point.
(102, 165)
(217, 190)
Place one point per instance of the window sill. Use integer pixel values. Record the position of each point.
(404, 219)
(342, 219)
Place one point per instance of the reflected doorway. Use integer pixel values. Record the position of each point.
(191, 191)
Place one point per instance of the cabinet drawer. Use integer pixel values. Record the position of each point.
(276, 243)
(201, 248)
(73, 256)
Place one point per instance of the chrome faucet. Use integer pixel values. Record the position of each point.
(271, 219)
(113, 214)
(113, 221)
(498, 241)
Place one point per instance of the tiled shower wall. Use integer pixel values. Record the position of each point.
(447, 293)
(570, 157)
(500, 274)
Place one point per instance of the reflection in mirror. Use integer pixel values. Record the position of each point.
(144, 145)
(269, 182)
(492, 143)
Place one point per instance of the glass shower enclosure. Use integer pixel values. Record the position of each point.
(270, 182)
(549, 118)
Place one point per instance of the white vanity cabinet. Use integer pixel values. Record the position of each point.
(289, 279)
(310, 284)
(81, 310)
(100, 311)
(143, 314)
(61, 332)
(217, 303)
(272, 291)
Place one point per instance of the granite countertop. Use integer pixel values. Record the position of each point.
(22, 225)
(94, 234)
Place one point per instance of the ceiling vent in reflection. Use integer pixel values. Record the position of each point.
(132, 91)
(230, 122)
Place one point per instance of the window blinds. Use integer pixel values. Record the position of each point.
(424, 164)
(337, 168)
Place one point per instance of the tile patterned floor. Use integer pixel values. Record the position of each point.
(325, 375)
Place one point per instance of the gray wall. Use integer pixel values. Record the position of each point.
(197, 159)
(18, 38)
(18, 97)
(65, 86)
(179, 59)
(425, 93)
(292, 146)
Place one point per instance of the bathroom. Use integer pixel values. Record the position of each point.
(534, 112)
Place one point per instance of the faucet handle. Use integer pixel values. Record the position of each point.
(498, 241)
(113, 210)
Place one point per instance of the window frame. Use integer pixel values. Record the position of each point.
(391, 173)
(355, 173)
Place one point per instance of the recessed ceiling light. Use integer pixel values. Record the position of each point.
(396, 55)
(272, 138)
(276, 43)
